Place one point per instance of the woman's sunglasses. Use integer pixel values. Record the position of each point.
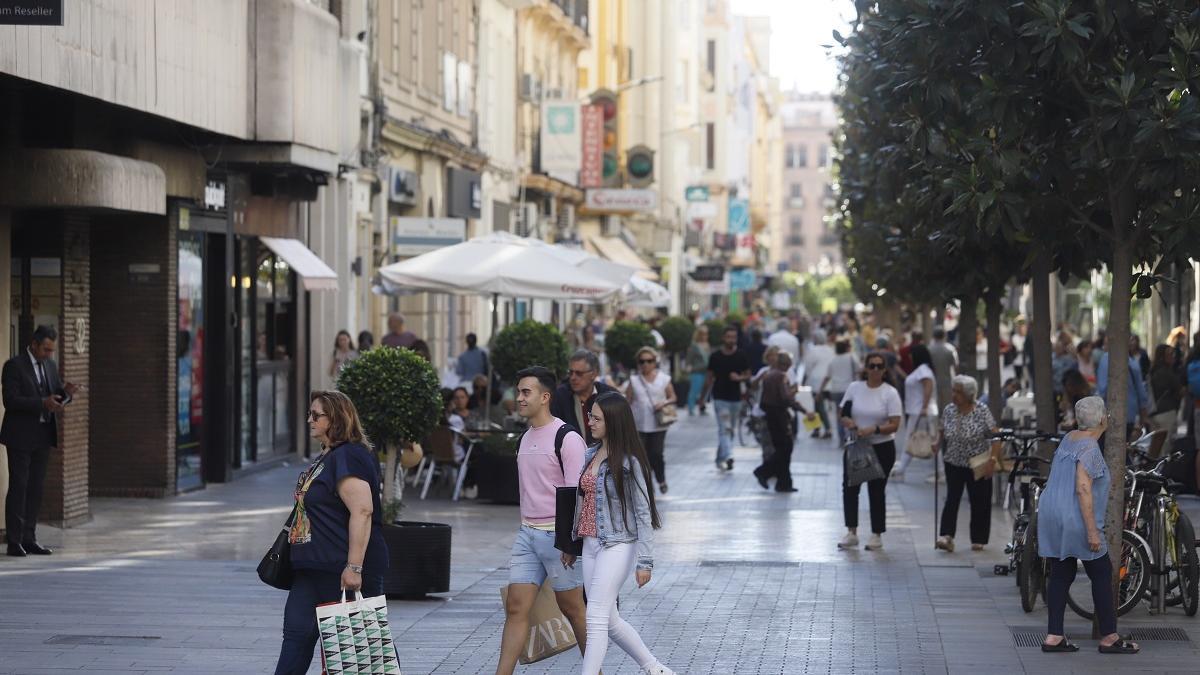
(875, 366)
(646, 361)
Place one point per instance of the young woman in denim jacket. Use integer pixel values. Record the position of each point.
(617, 526)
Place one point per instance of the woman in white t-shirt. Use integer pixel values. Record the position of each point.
(843, 371)
(920, 403)
(875, 416)
(649, 390)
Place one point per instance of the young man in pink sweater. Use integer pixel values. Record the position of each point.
(534, 558)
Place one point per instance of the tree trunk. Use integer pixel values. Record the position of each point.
(389, 472)
(968, 323)
(1118, 387)
(1042, 352)
(994, 385)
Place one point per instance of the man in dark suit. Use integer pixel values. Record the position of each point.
(572, 401)
(34, 398)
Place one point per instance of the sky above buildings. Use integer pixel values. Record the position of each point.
(801, 31)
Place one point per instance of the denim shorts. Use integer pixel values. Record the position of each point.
(534, 558)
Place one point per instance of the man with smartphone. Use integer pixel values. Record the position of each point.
(34, 396)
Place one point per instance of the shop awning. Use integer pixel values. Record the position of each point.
(314, 273)
(616, 250)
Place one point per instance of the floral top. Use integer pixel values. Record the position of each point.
(587, 512)
(966, 435)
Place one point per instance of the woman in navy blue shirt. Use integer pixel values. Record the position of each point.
(337, 534)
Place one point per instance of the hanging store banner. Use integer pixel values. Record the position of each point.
(591, 173)
(561, 137)
(620, 200)
(739, 216)
(414, 236)
(742, 280)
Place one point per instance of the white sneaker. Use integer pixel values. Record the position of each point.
(659, 669)
(848, 541)
(874, 543)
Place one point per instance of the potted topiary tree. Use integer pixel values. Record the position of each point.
(623, 340)
(716, 328)
(398, 397)
(519, 345)
(677, 337)
(528, 343)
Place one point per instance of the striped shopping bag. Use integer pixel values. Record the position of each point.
(355, 638)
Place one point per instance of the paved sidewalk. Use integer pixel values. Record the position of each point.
(746, 581)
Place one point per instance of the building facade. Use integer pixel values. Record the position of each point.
(425, 59)
(808, 242)
(156, 202)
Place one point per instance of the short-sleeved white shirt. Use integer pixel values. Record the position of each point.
(914, 391)
(872, 407)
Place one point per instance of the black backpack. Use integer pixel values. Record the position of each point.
(564, 498)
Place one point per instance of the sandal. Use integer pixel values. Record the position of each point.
(1062, 646)
(1121, 647)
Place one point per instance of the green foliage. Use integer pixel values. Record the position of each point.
(529, 343)
(677, 334)
(716, 328)
(397, 394)
(815, 290)
(623, 339)
(736, 317)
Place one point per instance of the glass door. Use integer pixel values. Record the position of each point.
(190, 343)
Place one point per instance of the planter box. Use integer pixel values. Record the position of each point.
(419, 559)
(496, 476)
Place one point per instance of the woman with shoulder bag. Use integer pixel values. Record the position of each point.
(875, 410)
(966, 426)
(652, 396)
(615, 515)
(920, 410)
(336, 538)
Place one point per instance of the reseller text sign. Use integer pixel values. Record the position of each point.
(31, 12)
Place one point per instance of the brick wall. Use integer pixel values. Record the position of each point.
(133, 364)
(66, 498)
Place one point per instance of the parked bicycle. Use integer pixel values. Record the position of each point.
(1024, 488)
(1159, 562)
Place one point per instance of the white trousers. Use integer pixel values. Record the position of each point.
(604, 571)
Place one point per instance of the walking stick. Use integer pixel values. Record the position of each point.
(935, 496)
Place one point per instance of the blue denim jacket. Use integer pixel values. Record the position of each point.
(610, 526)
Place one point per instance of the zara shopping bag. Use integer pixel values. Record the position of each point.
(355, 638)
(862, 464)
(549, 631)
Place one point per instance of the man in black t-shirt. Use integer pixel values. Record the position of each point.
(728, 368)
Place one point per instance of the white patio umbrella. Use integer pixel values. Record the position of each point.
(641, 292)
(503, 264)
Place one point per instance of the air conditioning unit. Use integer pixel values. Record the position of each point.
(525, 220)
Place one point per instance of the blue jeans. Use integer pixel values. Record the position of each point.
(697, 384)
(309, 589)
(727, 418)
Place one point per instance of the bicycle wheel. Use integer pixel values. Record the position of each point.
(1133, 575)
(1187, 563)
(1031, 571)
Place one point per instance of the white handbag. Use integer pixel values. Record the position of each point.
(920, 439)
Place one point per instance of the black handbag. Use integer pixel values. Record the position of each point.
(275, 570)
(564, 521)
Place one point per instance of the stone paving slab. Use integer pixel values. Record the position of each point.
(746, 581)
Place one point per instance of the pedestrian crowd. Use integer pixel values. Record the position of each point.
(591, 458)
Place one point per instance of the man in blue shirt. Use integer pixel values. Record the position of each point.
(472, 362)
(1137, 398)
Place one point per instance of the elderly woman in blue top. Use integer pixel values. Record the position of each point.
(1071, 528)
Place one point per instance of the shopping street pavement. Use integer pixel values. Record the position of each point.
(746, 581)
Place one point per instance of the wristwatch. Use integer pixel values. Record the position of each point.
(357, 569)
